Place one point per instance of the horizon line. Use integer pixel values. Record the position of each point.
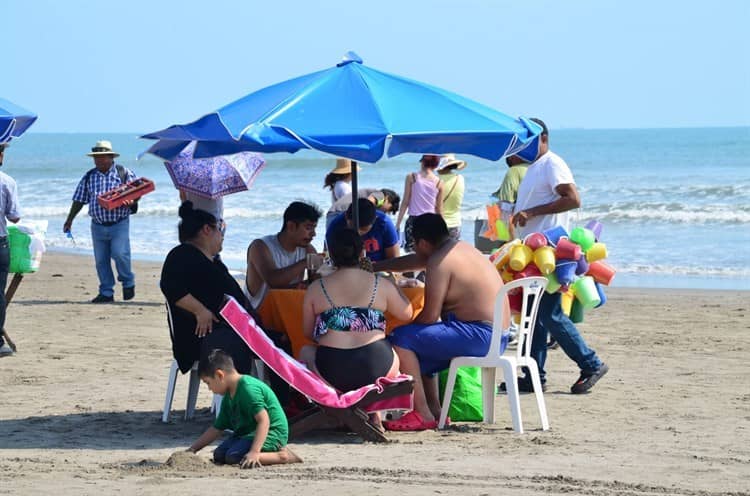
(561, 128)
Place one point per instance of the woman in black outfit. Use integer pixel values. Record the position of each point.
(194, 282)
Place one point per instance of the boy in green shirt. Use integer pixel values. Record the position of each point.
(250, 410)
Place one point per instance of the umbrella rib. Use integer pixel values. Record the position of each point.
(442, 93)
(290, 101)
(9, 131)
(226, 128)
(282, 106)
(374, 102)
(435, 91)
(303, 142)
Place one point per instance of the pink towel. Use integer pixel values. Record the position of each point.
(298, 376)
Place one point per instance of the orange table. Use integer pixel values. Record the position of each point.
(282, 311)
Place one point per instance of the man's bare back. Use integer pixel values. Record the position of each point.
(466, 282)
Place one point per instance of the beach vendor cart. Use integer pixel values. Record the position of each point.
(26, 241)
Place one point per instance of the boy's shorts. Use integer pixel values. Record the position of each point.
(437, 344)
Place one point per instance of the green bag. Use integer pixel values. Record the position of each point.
(466, 403)
(24, 254)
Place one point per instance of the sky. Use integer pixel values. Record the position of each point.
(139, 66)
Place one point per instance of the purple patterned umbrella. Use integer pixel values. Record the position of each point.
(215, 176)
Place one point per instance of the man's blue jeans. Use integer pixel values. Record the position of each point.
(551, 319)
(112, 243)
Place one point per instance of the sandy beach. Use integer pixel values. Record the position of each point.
(82, 403)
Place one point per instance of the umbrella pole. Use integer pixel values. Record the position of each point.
(355, 197)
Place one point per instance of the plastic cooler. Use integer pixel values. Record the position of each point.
(130, 191)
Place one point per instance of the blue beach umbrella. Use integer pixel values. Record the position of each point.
(14, 120)
(353, 111)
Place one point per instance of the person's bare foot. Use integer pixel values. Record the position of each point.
(289, 456)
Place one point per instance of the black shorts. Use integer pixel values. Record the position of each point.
(409, 234)
(350, 369)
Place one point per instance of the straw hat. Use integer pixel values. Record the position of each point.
(102, 147)
(343, 166)
(450, 159)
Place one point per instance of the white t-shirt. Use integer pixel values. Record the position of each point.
(538, 188)
(213, 207)
(9, 208)
(340, 189)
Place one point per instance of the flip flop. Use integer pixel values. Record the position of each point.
(411, 421)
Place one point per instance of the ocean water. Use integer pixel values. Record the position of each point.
(675, 203)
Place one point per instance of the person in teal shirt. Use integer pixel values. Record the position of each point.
(250, 410)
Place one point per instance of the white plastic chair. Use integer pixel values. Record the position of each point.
(259, 371)
(509, 363)
(193, 387)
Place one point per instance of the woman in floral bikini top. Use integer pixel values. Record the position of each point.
(345, 314)
(352, 319)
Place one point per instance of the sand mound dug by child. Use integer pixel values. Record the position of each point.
(185, 460)
(178, 462)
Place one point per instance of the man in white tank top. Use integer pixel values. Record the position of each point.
(279, 260)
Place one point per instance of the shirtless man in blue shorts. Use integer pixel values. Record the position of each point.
(460, 289)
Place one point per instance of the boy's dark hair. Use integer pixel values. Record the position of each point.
(545, 131)
(393, 199)
(299, 212)
(216, 360)
(193, 221)
(346, 247)
(366, 212)
(429, 227)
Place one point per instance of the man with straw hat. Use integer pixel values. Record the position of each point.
(110, 229)
(9, 210)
